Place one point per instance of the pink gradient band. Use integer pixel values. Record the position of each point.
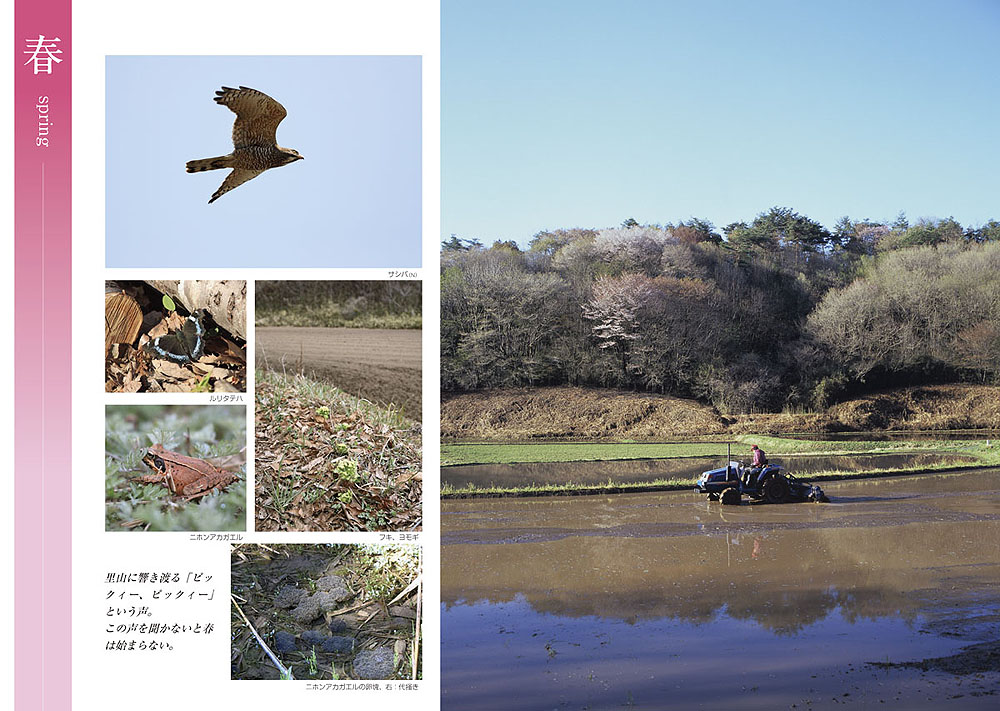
(42, 342)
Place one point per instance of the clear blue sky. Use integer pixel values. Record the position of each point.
(355, 201)
(582, 114)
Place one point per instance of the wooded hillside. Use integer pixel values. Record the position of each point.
(758, 317)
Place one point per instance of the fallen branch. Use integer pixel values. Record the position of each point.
(286, 673)
(406, 592)
(416, 629)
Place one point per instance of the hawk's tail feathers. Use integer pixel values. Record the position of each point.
(196, 166)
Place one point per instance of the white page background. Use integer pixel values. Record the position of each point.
(198, 676)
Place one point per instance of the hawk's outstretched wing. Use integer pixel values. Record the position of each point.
(234, 180)
(257, 116)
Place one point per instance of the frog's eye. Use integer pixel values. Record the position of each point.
(158, 463)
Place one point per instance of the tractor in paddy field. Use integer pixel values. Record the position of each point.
(770, 483)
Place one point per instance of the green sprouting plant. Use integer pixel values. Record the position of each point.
(204, 385)
(345, 497)
(323, 411)
(347, 469)
(312, 494)
(374, 520)
(311, 659)
(283, 495)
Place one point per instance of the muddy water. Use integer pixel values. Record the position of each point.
(646, 470)
(667, 601)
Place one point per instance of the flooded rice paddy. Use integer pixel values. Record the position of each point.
(889, 594)
(648, 470)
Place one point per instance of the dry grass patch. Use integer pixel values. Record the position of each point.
(594, 415)
(573, 413)
(935, 407)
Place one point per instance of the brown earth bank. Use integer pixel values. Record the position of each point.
(596, 414)
(382, 365)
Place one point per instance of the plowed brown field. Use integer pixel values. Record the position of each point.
(381, 365)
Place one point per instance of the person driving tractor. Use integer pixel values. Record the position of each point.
(757, 463)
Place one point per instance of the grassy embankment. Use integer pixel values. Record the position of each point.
(986, 453)
(325, 304)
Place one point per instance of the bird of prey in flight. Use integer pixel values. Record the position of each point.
(255, 148)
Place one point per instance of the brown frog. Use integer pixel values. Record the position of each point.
(184, 476)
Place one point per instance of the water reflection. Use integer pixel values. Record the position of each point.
(783, 580)
(615, 595)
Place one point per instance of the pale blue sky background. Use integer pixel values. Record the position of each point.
(584, 113)
(355, 201)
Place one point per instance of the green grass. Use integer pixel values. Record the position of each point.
(567, 488)
(331, 316)
(460, 454)
(347, 304)
(457, 454)
(302, 388)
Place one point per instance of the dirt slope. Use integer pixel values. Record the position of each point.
(382, 365)
(939, 407)
(565, 412)
(594, 414)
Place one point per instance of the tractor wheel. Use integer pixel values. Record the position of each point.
(712, 496)
(730, 496)
(776, 490)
